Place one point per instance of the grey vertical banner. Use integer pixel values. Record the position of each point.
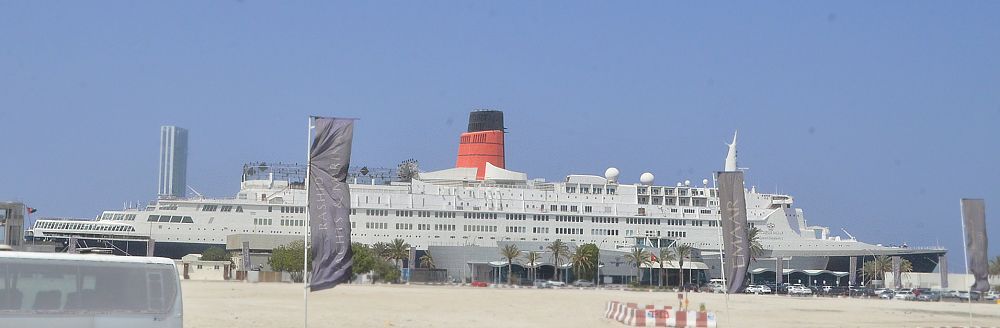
(71, 245)
(897, 275)
(854, 271)
(412, 258)
(150, 247)
(245, 253)
(736, 245)
(974, 222)
(330, 203)
(943, 269)
(779, 272)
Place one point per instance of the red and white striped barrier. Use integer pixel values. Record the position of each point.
(649, 316)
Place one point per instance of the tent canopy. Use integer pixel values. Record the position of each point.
(807, 272)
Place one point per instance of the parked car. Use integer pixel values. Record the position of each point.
(929, 296)
(799, 290)
(542, 284)
(886, 294)
(949, 293)
(553, 283)
(757, 289)
(966, 295)
(862, 291)
(583, 283)
(905, 295)
(838, 290)
(991, 295)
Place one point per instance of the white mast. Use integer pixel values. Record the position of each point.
(731, 156)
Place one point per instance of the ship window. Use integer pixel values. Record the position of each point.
(239, 209)
(209, 208)
(175, 219)
(226, 208)
(187, 219)
(153, 218)
(164, 218)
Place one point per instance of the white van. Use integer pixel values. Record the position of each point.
(55, 290)
(717, 285)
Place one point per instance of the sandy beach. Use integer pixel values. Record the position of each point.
(232, 304)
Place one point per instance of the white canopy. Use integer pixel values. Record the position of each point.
(807, 272)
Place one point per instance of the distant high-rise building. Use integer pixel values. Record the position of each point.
(173, 162)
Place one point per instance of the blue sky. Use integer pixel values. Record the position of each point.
(877, 117)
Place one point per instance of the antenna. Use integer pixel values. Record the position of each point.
(848, 233)
(196, 192)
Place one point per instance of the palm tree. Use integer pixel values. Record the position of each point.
(756, 249)
(994, 268)
(533, 258)
(510, 252)
(381, 249)
(683, 252)
(427, 261)
(873, 269)
(559, 251)
(638, 256)
(882, 264)
(398, 251)
(581, 261)
(666, 256)
(905, 266)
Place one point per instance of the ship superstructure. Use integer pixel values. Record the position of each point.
(480, 203)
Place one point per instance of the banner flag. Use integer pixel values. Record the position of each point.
(736, 245)
(330, 203)
(245, 253)
(974, 222)
(943, 269)
(897, 275)
(854, 271)
(779, 277)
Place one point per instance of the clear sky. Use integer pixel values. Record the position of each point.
(876, 116)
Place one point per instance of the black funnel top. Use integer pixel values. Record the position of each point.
(485, 120)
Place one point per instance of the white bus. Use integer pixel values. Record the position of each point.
(55, 290)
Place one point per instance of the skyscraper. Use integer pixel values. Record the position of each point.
(173, 162)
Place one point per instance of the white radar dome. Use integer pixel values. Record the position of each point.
(687, 182)
(704, 181)
(646, 178)
(611, 174)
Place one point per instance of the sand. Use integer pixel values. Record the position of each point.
(237, 304)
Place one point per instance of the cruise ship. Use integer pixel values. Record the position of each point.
(480, 202)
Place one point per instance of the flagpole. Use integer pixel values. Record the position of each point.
(305, 230)
(965, 252)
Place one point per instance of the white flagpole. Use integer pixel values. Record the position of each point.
(965, 253)
(305, 231)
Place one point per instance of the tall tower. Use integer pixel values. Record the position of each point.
(172, 179)
(483, 142)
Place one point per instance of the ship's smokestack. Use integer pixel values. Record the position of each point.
(483, 143)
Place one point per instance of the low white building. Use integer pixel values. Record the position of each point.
(956, 281)
(191, 267)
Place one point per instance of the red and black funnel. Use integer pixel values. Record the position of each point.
(483, 142)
